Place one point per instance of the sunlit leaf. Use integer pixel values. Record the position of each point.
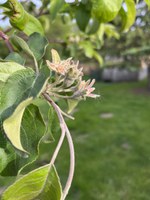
(7, 68)
(128, 17)
(42, 183)
(55, 56)
(18, 91)
(88, 48)
(106, 10)
(33, 25)
(111, 31)
(98, 57)
(18, 20)
(31, 138)
(12, 124)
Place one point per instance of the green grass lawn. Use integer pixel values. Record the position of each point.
(112, 154)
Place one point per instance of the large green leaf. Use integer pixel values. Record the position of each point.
(20, 19)
(7, 68)
(18, 91)
(42, 183)
(82, 17)
(106, 10)
(12, 124)
(128, 17)
(37, 44)
(31, 139)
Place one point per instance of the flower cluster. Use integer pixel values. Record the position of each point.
(68, 83)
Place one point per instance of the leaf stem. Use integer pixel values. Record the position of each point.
(66, 131)
(6, 39)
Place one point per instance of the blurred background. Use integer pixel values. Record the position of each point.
(111, 134)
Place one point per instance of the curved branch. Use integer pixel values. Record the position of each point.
(66, 131)
(72, 163)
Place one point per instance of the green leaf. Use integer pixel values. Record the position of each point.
(106, 10)
(33, 25)
(90, 52)
(12, 125)
(42, 183)
(98, 57)
(93, 27)
(7, 68)
(16, 13)
(55, 7)
(48, 115)
(38, 50)
(101, 32)
(55, 56)
(148, 3)
(82, 17)
(111, 31)
(31, 138)
(88, 48)
(128, 17)
(20, 19)
(72, 103)
(18, 91)
(16, 58)
(24, 46)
